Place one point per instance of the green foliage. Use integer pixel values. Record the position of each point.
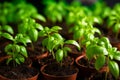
(84, 32)
(16, 13)
(5, 31)
(114, 20)
(54, 42)
(55, 11)
(104, 54)
(31, 28)
(17, 49)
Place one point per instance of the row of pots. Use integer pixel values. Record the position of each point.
(81, 71)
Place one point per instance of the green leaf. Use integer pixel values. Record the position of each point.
(45, 42)
(50, 43)
(22, 28)
(117, 55)
(7, 36)
(33, 34)
(8, 29)
(8, 48)
(57, 36)
(39, 26)
(42, 33)
(56, 28)
(100, 61)
(114, 68)
(26, 39)
(73, 42)
(107, 42)
(78, 34)
(40, 17)
(23, 51)
(21, 59)
(8, 60)
(95, 50)
(16, 48)
(59, 55)
(65, 50)
(116, 28)
(17, 61)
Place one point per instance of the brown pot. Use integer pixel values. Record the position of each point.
(53, 77)
(37, 53)
(84, 71)
(74, 53)
(102, 76)
(2, 58)
(34, 77)
(116, 44)
(49, 60)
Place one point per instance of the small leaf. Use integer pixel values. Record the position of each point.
(99, 62)
(21, 59)
(56, 28)
(7, 36)
(8, 29)
(16, 48)
(39, 26)
(40, 17)
(33, 33)
(73, 42)
(95, 50)
(106, 41)
(116, 28)
(8, 48)
(57, 36)
(114, 68)
(8, 60)
(117, 55)
(42, 33)
(59, 55)
(78, 34)
(17, 61)
(23, 51)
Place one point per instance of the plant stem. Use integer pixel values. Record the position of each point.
(32, 46)
(107, 64)
(53, 54)
(116, 36)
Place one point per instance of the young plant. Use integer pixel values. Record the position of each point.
(55, 11)
(5, 30)
(84, 32)
(25, 10)
(104, 54)
(30, 28)
(17, 50)
(114, 20)
(54, 42)
(6, 13)
(15, 13)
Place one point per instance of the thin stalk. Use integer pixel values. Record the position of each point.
(53, 54)
(106, 71)
(116, 35)
(32, 46)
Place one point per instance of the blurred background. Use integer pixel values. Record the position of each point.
(39, 4)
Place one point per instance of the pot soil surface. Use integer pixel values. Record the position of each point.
(18, 73)
(57, 70)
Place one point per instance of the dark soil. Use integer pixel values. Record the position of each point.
(49, 60)
(37, 51)
(84, 61)
(74, 52)
(56, 69)
(101, 76)
(17, 73)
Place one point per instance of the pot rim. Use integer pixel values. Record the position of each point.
(42, 68)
